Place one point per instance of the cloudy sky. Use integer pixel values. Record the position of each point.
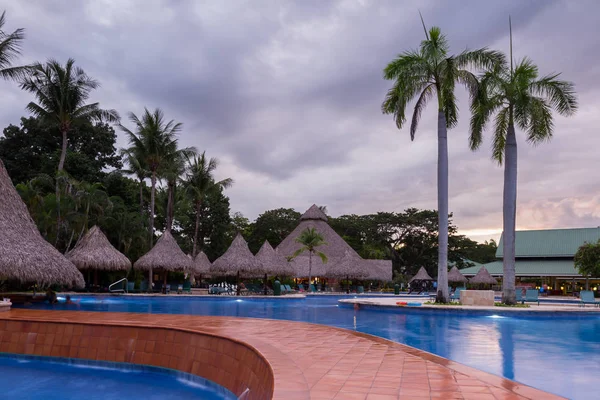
(287, 95)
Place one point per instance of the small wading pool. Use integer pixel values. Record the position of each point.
(49, 378)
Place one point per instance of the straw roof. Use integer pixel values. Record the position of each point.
(166, 255)
(24, 255)
(378, 270)
(272, 263)
(94, 251)
(349, 266)
(422, 275)
(201, 265)
(455, 276)
(237, 258)
(483, 277)
(335, 248)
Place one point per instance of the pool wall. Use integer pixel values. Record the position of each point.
(227, 362)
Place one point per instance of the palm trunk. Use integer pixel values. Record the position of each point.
(61, 166)
(442, 281)
(170, 205)
(142, 197)
(509, 208)
(198, 205)
(63, 152)
(152, 194)
(309, 268)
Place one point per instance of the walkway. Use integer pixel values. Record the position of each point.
(319, 362)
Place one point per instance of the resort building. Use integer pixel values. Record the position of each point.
(546, 257)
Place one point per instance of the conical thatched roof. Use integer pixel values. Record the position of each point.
(24, 255)
(455, 276)
(378, 270)
(348, 266)
(483, 277)
(335, 248)
(237, 258)
(272, 263)
(422, 275)
(166, 255)
(94, 251)
(201, 265)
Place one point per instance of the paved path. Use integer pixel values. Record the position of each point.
(319, 362)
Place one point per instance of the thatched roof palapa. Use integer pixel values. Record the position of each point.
(422, 275)
(201, 265)
(237, 258)
(166, 255)
(94, 251)
(483, 277)
(378, 270)
(348, 266)
(24, 255)
(455, 276)
(272, 263)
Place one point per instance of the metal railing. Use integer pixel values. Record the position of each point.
(124, 290)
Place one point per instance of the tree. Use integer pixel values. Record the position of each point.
(62, 93)
(138, 169)
(423, 74)
(199, 181)
(10, 48)
(587, 259)
(310, 239)
(172, 171)
(274, 226)
(516, 95)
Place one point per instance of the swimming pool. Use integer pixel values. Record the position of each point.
(51, 378)
(555, 352)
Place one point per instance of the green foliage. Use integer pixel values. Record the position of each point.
(497, 304)
(587, 259)
(10, 48)
(274, 226)
(310, 239)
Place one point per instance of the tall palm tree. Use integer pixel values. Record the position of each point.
(137, 169)
(10, 48)
(424, 74)
(310, 239)
(516, 94)
(199, 181)
(172, 172)
(62, 93)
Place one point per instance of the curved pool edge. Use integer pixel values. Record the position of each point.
(288, 347)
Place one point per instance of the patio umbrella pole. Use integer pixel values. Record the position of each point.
(165, 282)
(265, 290)
(238, 284)
(347, 285)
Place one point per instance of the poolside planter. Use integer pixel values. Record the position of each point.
(477, 298)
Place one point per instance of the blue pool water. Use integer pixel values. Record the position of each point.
(557, 353)
(49, 378)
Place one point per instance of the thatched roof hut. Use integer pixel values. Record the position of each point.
(201, 265)
(483, 277)
(422, 275)
(237, 259)
(349, 266)
(166, 255)
(272, 263)
(94, 251)
(455, 276)
(24, 255)
(378, 270)
(335, 248)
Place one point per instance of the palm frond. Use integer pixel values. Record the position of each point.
(500, 128)
(425, 96)
(540, 125)
(560, 94)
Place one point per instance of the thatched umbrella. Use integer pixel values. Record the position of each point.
(201, 265)
(378, 270)
(455, 276)
(483, 277)
(24, 255)
(238, 259)
(422, 275)
(349, 266)
(94, 251)
(166, 255)
(272, 263)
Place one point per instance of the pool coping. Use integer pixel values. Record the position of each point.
(268, 352)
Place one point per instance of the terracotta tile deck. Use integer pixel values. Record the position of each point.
(319, 362)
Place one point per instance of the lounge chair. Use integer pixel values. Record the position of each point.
(360, 289)
(456, 294)
(312, 288)
(587, 297)
(531, 296)
(187, 287)
(300, 287)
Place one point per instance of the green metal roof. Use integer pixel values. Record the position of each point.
(551, 242)
(564, 268)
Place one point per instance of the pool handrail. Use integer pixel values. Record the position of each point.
(124, 290)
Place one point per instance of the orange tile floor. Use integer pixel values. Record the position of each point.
(319, 362)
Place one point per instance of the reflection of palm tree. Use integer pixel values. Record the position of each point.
(507, 348)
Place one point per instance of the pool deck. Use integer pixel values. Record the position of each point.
(319, 362)
(390, 303)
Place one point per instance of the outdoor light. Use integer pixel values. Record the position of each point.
(562, 288)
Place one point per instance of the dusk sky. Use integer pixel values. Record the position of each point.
(287, 94)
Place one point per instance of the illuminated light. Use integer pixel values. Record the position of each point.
(496, 316)
(562, 288)
(239, 300)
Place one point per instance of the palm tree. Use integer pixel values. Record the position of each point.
(198, 182)
(10, 48)
(516, 95)
(310, 239)
(62, 92)
(172, 172)
(137, 169)
(424, 74)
